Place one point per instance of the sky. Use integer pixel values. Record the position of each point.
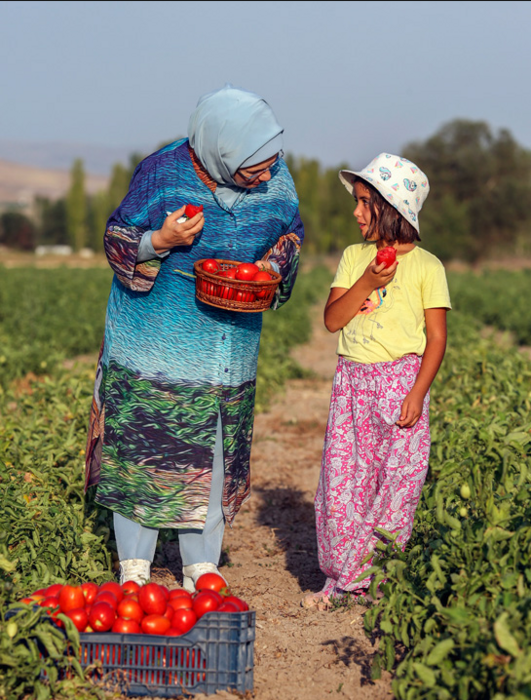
(346, 80)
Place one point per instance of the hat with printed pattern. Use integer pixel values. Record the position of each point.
(398, 180)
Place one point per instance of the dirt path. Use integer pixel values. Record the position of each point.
(270, 554)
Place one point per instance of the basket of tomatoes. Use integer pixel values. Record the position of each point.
(233, 285)
(155, 641)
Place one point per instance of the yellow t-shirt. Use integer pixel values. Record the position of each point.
(390, 323)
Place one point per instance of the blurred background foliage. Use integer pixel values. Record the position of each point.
(479, 207)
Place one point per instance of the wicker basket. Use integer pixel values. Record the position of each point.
(234, 295)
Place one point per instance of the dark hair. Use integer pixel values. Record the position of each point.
(387, 221)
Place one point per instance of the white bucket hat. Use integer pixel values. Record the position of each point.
(398, 180)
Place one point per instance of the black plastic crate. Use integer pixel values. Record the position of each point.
(216, 654)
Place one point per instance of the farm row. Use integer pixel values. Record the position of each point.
(455, 620)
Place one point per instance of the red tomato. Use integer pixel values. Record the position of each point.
(229, 274)
(165, 590)
(192, 209)
(51, 601)
(180, 593)
(54, 589)
(71, 597)
(172, 632)
(386, 255)
(90, 591)
(107, 597)
(130, 610)
(79, 617)
(123, 626)
(242, 605)
(184, 620)
(246, 271)
(113, 587)
(182, 602)
(155, 624)
(130, 587)
(262, 276)
(152, 599)
(228, 607)
(33, 598)
(210, 265)
(102, 617)
(244, 296)
(206, 601)
(212, 581)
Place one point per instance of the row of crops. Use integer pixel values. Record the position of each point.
(455, 620)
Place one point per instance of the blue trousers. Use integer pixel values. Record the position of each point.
(134, 541)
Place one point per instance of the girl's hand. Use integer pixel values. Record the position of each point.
(379, 275)
(174, 234)
(264, 265)
(411, 409)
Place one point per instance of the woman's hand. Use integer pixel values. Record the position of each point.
(411, 409)
(174, 234)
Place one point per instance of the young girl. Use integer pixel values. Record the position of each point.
(392, 323)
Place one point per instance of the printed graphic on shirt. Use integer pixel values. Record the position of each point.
(371, 316)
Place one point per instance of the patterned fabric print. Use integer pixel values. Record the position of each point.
(170, 364)
(372, 471)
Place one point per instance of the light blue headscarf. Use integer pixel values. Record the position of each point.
(231, 128)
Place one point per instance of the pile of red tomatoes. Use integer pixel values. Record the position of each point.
(245, 272)
(131, 608)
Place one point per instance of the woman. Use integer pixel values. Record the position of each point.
(172, 415)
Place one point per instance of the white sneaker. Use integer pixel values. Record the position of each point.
(137, 570)
(193, 571)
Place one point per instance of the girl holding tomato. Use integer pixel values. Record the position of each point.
(172, 413)
(391, 318)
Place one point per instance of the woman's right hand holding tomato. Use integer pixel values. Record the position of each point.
(177, 234)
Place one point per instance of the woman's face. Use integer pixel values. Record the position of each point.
(254, 175)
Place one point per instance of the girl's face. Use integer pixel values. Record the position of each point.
(362, 212)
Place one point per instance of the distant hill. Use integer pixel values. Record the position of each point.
(20, 184)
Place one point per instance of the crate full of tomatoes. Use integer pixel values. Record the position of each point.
(155, 641)
(233, 285)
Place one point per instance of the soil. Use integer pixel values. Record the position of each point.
(270, 555)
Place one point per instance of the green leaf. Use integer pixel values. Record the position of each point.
(504, 638)
(426, 675)
(440, 652)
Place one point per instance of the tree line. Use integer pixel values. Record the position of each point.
(479, 206)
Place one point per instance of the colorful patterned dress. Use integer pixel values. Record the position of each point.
(170, 364)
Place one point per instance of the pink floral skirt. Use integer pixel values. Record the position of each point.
(372, 471)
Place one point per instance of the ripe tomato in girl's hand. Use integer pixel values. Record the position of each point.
(246, 271)
(210, 265)
(386, 255)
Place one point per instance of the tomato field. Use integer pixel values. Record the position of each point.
(455, 617)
